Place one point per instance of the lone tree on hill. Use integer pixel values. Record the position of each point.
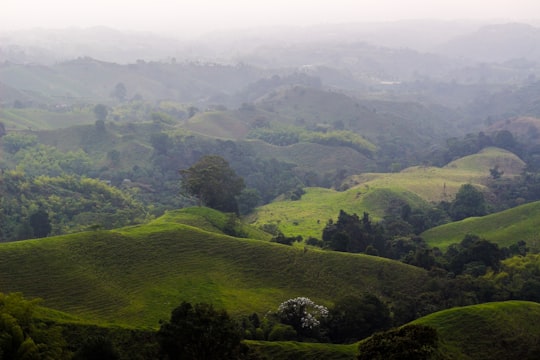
(214, 183)
(469, 202)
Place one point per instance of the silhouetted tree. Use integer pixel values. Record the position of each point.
(468, 202)
(97, 348)
(353, 318)
(199, 332)
(40, 223)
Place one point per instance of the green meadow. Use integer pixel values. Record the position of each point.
(374, 192)
(500, 330)
(135, 276)
(504, 228)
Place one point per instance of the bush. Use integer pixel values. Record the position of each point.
(281, 332)
(410, 342)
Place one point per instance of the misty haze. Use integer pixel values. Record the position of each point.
(358, 180)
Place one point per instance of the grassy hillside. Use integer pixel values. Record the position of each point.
(39, 119)
(504, 330)
(374, 119)
(308, 216)
(435, 184)
(374, 192)
(503, 228)
(313, 157)
(137, 275)
(298, 351)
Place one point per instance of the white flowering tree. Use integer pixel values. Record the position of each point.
(302, 314)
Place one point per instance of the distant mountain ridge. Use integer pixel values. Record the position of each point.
(496, 43)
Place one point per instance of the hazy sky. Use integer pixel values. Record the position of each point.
(207, 15)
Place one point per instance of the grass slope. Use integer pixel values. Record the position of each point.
(374, 192)
(39, 119)
(436, 184)
(308, 216)
(313, 157)
(501, 330)
(285, 350)
(504, 228)
(137, 275)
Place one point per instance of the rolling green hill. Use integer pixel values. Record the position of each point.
(504, 228)
(373, 192)
(436, 184)
(308, 216)
(375, 119)
(502, 330)
(137, 275)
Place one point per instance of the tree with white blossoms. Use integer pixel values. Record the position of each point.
(302, 314)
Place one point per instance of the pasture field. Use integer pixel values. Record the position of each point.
(135, 276)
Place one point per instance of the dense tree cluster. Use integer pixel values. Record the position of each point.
(42, 206)
(352, 234)
(22, 336)
(411, 342)
(199, 332)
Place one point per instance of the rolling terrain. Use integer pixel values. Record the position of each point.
(135, 276)
(418, 186)
(500, 330)
(504, 228)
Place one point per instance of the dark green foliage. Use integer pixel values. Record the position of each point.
(282, 332)
(110, 342)
(280, 137)
(22, 336)
(468, 202)
(40, 223)
(411, 342)
(353, 318)
(352, 234)
(199, 332)
(2, 129)
(473, 256)
(14, 142)
(286, 240)
(65, 204)
(161, 142)
(248, 200)
(213, 182)
(97, 348)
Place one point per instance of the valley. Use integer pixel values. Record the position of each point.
(395, 189)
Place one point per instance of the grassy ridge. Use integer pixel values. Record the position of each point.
(436, 184)
(503, 330)
(308, 216)
(137, 275)
(374, 192)
(285, 350)
(504, 228)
